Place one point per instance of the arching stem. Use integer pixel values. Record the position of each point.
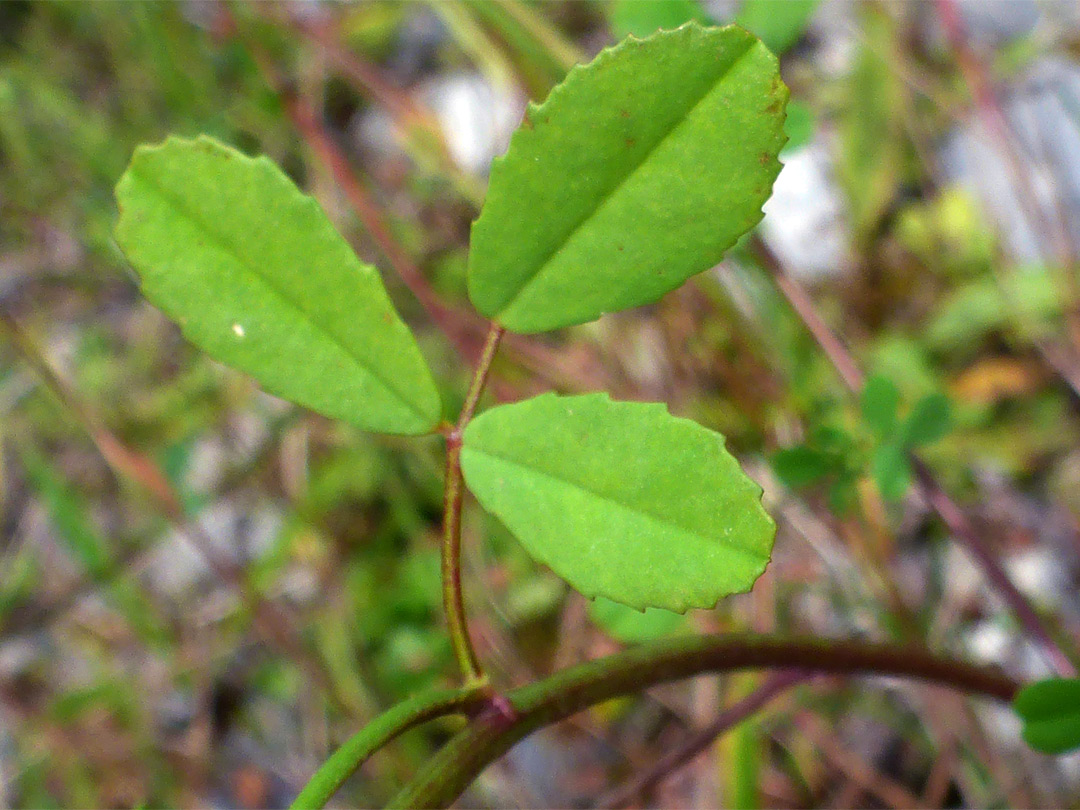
(384, 728)
(497, 727)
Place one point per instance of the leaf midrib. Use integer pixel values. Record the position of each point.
(223, 243)
(606, 196)
(607, 499)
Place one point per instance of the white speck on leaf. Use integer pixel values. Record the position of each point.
(238, 329)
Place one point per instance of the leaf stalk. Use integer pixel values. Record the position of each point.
(453, 600)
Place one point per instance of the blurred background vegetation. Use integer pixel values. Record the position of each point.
(204, 590)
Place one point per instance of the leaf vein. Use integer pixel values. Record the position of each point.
(610, 193)
(660, 520)
(224, 244)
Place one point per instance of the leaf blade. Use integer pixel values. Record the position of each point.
(802, 466)
(891, 470)
(636, 173)
(257, 277)
(880, 403)
(1050, 710)
(930, 420)
(620, 499)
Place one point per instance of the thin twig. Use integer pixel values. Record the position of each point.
(423, 138)
(646, 781)
(134, 557)
(561, 50)
(854, 766)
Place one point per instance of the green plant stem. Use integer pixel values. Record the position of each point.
(453, 601)
(384, 728)
(503, 723)
(483, 367)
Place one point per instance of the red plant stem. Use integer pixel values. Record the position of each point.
(483, 368)
(453, 599)
(801, 302)
(950, 513)
(416, 122)
(376, 85)
(774, 686)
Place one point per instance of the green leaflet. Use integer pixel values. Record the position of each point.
(621, 499)
(637, 172)
(801, 466)
(891, 470)
(880, 405)
(929, 421)
(257, 276)
(1050, 710)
